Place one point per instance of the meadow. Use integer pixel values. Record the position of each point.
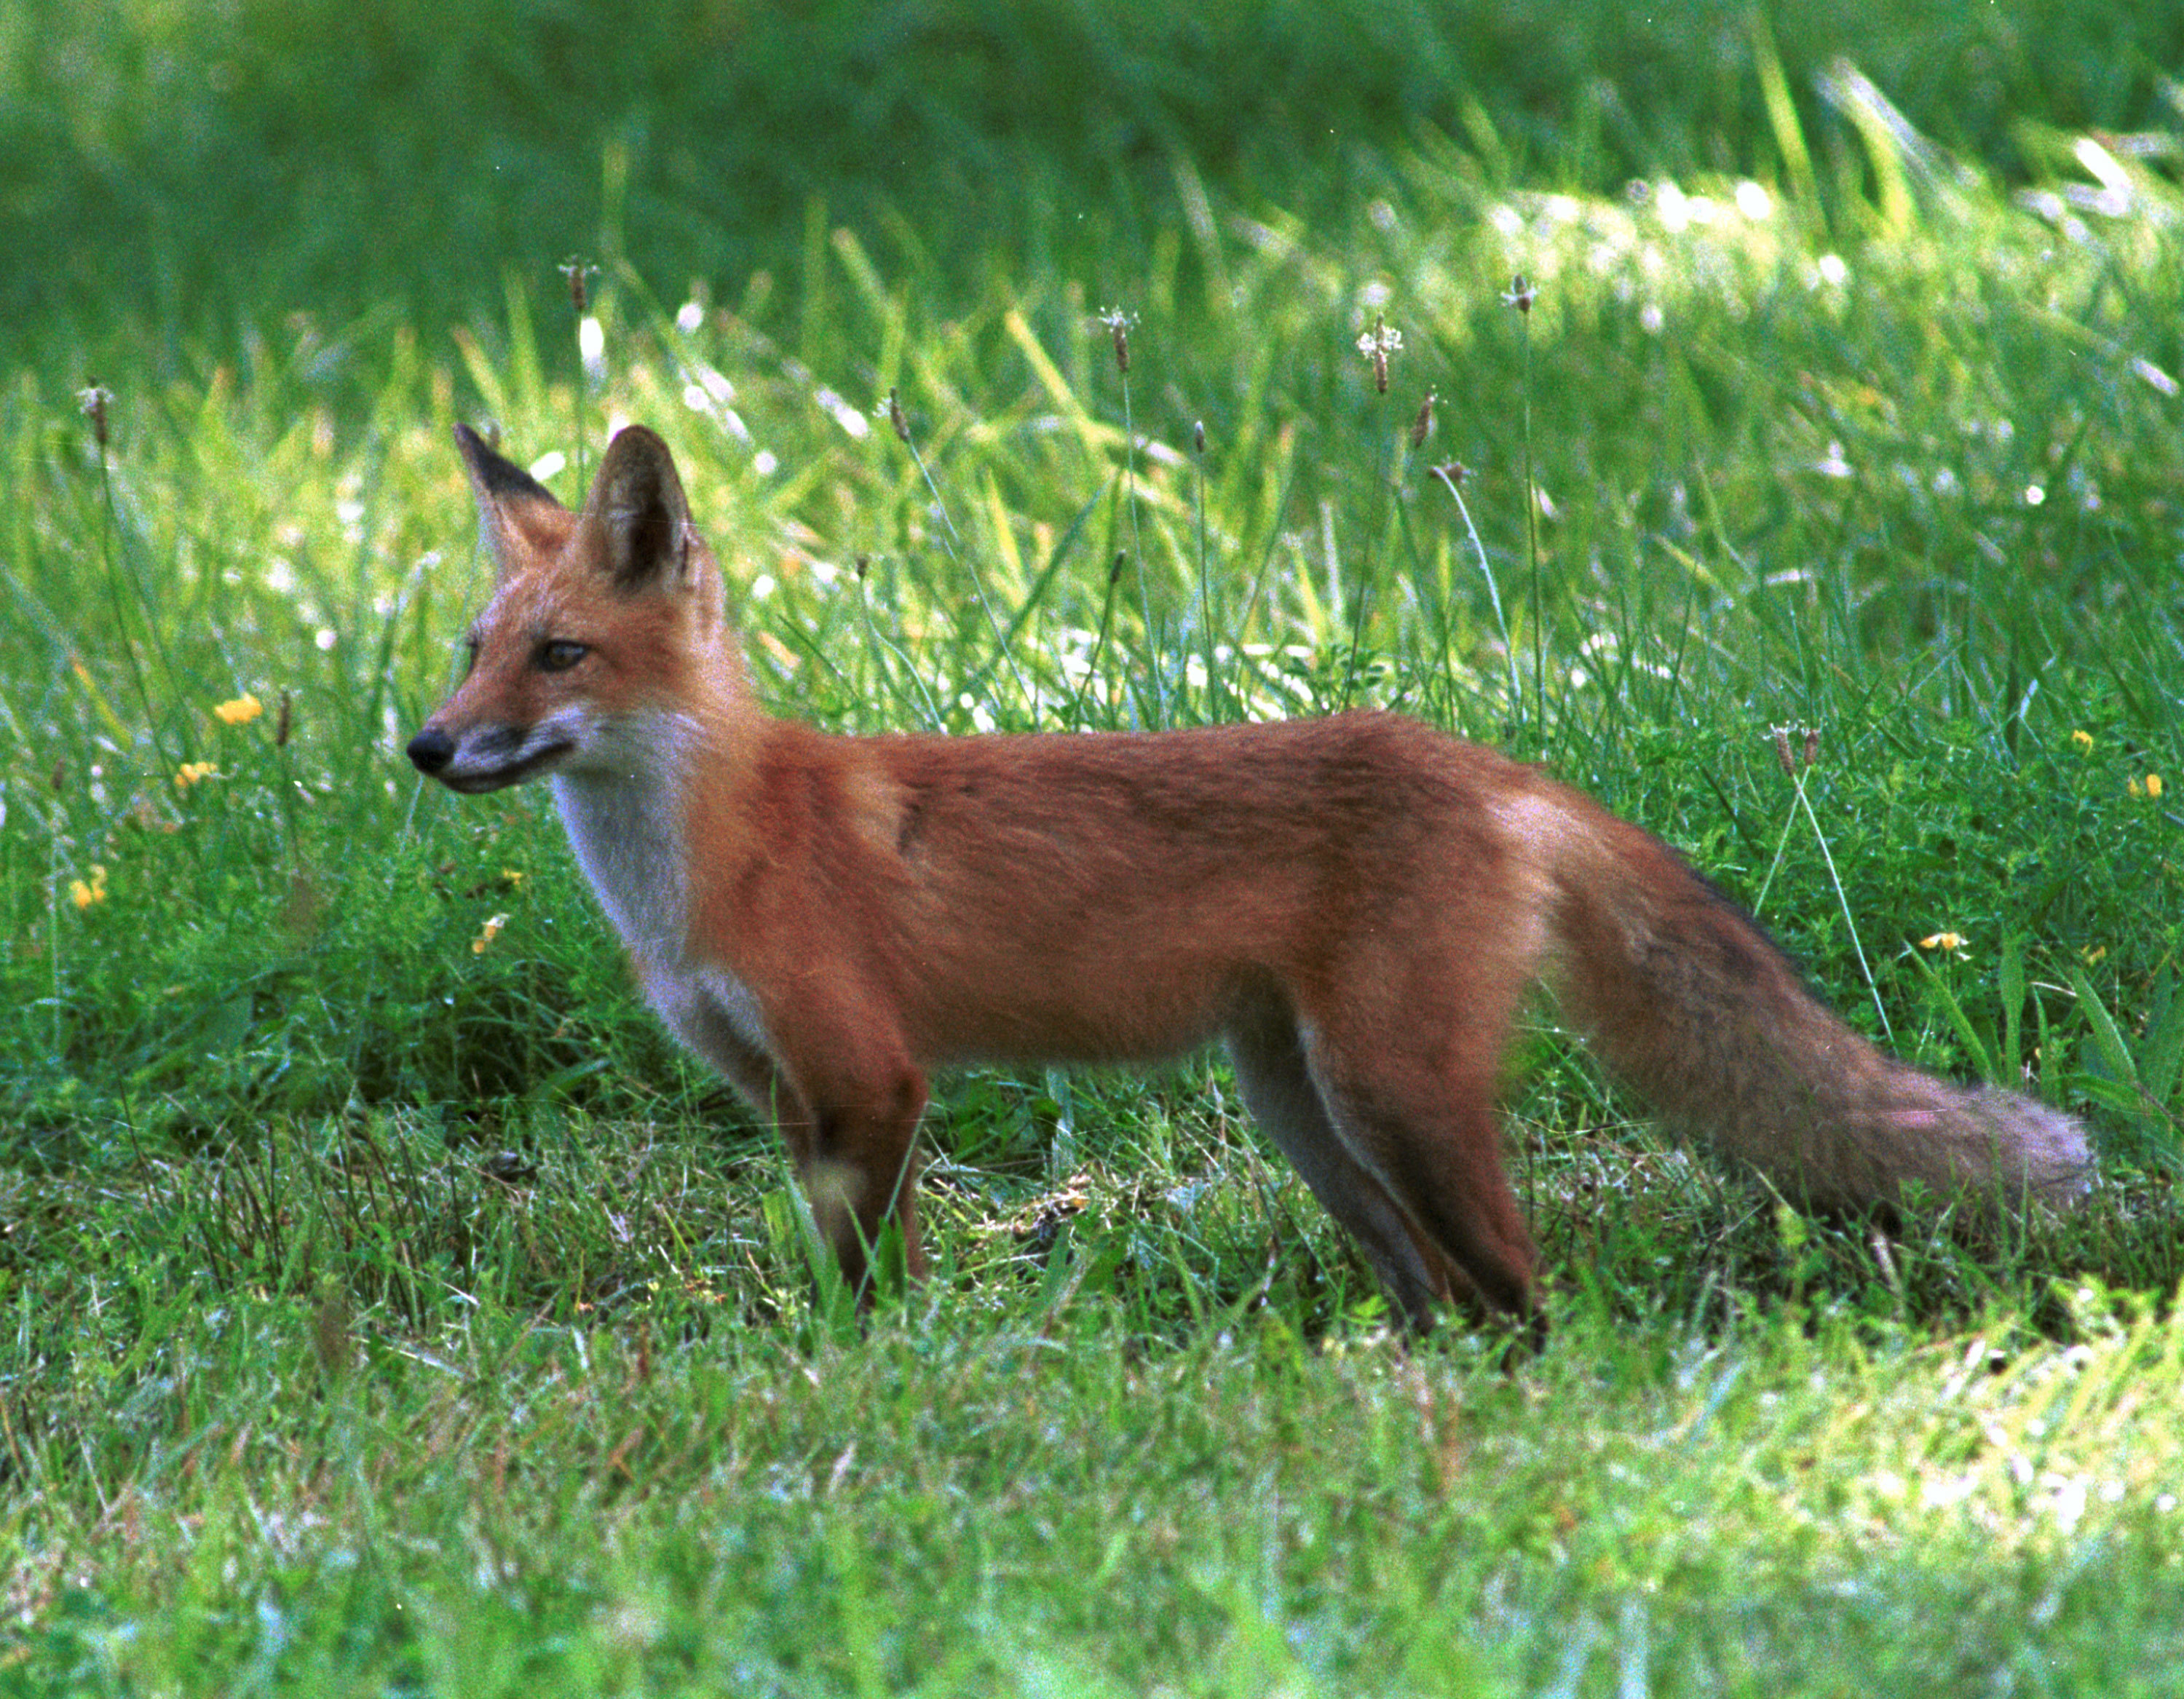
(1768, 420)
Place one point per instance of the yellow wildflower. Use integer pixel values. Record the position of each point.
(2084, 740)
(240, 711)
(84, 892)
(487, 934)
(1951, 941)
(190, 772)
(2154, 786)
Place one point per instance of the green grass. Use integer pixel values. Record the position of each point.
(387, 1308)
(977, 1500)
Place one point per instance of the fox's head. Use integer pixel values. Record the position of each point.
(603, 625)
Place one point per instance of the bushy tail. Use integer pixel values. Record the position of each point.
(1690, 1002)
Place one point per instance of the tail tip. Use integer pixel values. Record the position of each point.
(2038, 1152)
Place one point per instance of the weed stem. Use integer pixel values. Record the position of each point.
(949, 543)
(1451, 475)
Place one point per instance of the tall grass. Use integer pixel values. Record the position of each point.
(384, 167)
(1917, 496)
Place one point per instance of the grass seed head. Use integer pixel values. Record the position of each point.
(1376, 345)
(1808, 747)
(575, 270)
(93, 399)
(1118, 324)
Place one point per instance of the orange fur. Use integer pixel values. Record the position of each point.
(1355, 906)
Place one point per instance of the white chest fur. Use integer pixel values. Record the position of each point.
(627, 830)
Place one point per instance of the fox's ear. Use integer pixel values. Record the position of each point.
(511, 503)
(638, 506)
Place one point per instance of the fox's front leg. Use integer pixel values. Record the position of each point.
(854, 1152)
(860, 1172)
(842, 1091)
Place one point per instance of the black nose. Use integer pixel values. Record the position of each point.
(431, 749)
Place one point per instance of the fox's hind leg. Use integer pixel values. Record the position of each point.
(1277, 1089)
(1404, 1066)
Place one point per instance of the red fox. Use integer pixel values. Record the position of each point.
(1355, 906)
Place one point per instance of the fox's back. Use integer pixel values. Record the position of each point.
(1113, 895)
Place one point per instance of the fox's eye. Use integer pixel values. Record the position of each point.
(560, 654)
(469, 655)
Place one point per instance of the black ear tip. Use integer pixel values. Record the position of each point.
(475, 444)
(494, 474)
(638, 468)
(639, 503)
(639, 447)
